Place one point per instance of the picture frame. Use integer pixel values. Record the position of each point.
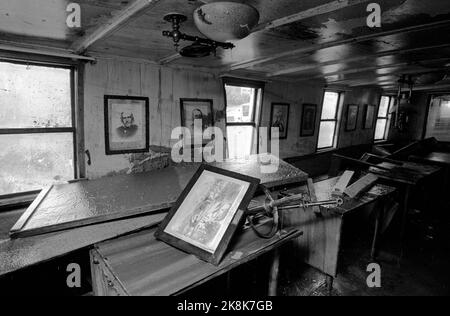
(207, 214)
(309, 116)
(369, 116)
(191, 109)
(352, 117)
(279, 117)
(127, 127)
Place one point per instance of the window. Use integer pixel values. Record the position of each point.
(37, 132)
(381, 129)
(438, 122)
(243, 107)
(329, 120)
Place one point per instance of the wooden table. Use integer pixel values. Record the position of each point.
(91, 202)
(110, 198)
(407, 175)
(435, 158)
(139, 265)
(321, 242)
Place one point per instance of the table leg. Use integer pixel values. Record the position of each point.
(329, 283)
(273, 282)
(377, 233)
(404, 221)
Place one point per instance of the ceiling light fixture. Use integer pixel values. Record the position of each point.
(226, 20)
(201, 47)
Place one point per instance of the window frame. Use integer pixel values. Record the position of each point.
(74, 69)
(255, 123)
(383, 118)
(336, 120)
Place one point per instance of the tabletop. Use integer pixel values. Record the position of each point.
(90, 202)
(145, 266)
(441, 158)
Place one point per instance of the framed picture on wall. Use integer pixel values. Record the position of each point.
(352, 117)
(208, 213)
(279, 118)
(308, 125)
(126, 124)
(197, 109)
(369, 116)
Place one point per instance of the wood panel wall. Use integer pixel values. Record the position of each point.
(296, 95)
(165, 86)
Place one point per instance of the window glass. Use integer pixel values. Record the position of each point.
(330, 104)
(240, 104)
(326, 136)
(380, 129)
(30, 162)
(34, 96)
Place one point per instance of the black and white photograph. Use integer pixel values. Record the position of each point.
(279, 118)
(193, 110)
(207, 215)
(309, 115)
(212, 151)
(352, 117)
(126, 124)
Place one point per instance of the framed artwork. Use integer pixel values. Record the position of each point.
(208, 212)
(126, 124)
(369, 116)
(352, 117)
(308, 125)
(279, 118)
(197, 109)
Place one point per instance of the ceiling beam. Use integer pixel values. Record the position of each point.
(378, 67)
(294, 70)
(414, 71)
(326, 8)
(42, 50)
(431, 87)
(116, 21)
(353, 40)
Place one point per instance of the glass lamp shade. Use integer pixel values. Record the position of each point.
(225, 20)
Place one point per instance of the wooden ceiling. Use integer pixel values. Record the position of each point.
(322, 41)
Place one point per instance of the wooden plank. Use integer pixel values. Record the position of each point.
(111, 198)
(352, 40)
(377, 67)
(147, 267)
(31, 210)
(46, 51)
(361, 185)
(21, 253)
(112, 24)
(367, 58)
(329, 7)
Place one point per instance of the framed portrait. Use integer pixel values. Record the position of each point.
(279, 118)
(208, 212)
(352, 117)
(197, 109)
(308, 124)
(126, 124)
(369, 116)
